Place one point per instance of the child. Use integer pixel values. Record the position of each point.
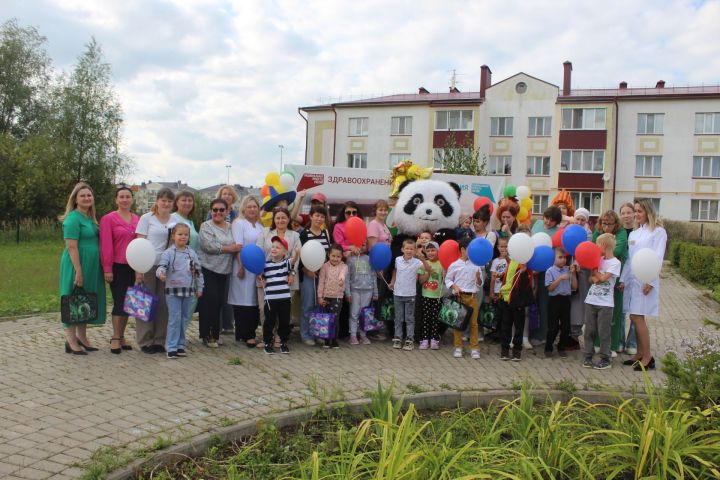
(331, 285)
(404, 285)
(179, 268)
(560, 282)
(599, 304)
(464, 278)
(360, 289)
(464, 230)
(276, 281)
(423, 239)
(432, 289)
(497, 268)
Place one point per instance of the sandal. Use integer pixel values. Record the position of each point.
(116, 351)
(124, 345)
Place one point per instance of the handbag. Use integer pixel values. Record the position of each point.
(455, 314)
(489, 316)
(387, 310)
(322, 324)
(140, 303)
(78, 307)
(368, 321)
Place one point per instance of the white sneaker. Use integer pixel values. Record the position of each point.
(475, 354)
(527, 345)
(613, 354)
(630, 350)
(597, 349)
(457, 353)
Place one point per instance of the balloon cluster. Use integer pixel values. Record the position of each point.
(523, 196)
(275, 184)
(405, 170)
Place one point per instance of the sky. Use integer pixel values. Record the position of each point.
(205, 83)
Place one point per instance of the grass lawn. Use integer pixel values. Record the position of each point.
(29, 280)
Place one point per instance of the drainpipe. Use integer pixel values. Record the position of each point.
(334, 133)
(306, 133)
(614, 178)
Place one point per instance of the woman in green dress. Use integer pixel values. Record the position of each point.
(80, 262)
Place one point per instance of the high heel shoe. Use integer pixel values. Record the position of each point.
(632, 361)
(116, 351)
(68, 349)
(124, 346)
(650, 365)
(87, 347)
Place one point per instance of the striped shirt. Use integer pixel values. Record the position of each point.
(276, 279)
(322, 238)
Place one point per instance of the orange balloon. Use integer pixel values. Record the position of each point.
(265, 191)
(522, 214)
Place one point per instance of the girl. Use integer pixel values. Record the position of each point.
(360, 290)
(180, 270)
(432, 289)
(331, 285)
(497, 269)
(464, 229)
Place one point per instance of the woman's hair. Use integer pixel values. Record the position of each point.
(553, 213)
(183, 194)
(72, 202)
(335, 247)
(482, 213)
(232, 191)
(381, 204)
(162, 193)
(610, 215)
(341, 215)
(244, 204)
(121, 188)
(277, 210)
(652, 217)
(218, 200)
(507, 205)
(318, 209)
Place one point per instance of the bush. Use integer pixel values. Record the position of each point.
(695, 232)
(696, 262)
(695, 376)
(673, 252)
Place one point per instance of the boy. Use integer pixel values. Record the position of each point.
(276, 280)
(560, 281)
(432, 289)
(599, 304)
(464, 278)
(404, 283)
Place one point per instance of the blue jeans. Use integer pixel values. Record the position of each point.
(404, 312)
(307, 303)
(179, 314)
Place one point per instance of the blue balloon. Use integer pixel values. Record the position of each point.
(542, 259)
(573, 236)
(480, 251)
(253, 259)
(380, 256)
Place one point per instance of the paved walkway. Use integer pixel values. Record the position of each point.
(57, 409)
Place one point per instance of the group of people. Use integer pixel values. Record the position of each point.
(202, 270)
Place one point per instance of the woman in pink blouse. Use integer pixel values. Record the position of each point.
(350, 209)
(378, 231)
(117, 230)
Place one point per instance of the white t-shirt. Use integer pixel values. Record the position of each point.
(157, 233)
(602, 294)
(498, 266)
(406, 272)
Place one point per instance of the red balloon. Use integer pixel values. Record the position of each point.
(557, 238)
(449, 252)
(355, 231)
(588, 255)
(480, 201)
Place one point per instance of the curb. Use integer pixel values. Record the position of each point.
(422, 401)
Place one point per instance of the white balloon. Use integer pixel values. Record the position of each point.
(140, 255)
(522, 192)
(541, 238)
(645, 265)
(312, 255)
(287, 181)
(521, 248)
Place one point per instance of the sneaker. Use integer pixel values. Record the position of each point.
(597, 349)
(309, 343)
(505, 355)
(613, 354)
(364, 340)
(602, 364)
(424, 345)
(158, 348)
(326, 344)
(380, 337)
(397, 343)
(516, 356)
(212, 344)
(588, 363)
(172, 355)
(409, 345)
(527, 345)
(630, 350)
(269, 350)
(548, 354)
(284, 348)
(562, 354)
(334, 343)
(181, 352)
(434, 344)
(475, 354)
(147, 349)
(457, 353)
(354, 340)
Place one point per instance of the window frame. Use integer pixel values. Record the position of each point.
(546, 125)
(584, 116)
(352, 158)
(571, 158)
(401, 120)
(461, 113)
(543, 201)
(499, 126)
(695, 213)
(652, 159)
(712, 159)
(577, 196)
(544, 161)
(364, 124)
(642, 123)
(714, 123)
(507, 164)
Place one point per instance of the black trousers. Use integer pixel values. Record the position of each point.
(430, 327)
(211, 302)
(558, 321)
(277, 312)
(511, 317)
(247, 319)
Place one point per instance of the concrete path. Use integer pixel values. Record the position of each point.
(56, 410)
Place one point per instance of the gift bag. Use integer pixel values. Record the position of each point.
(489, 316)
(78, 307)
(455, 314)
(322, 324)
(140, 303)
(387, 310)
(369, 322)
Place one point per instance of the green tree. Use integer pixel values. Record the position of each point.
(460, 157)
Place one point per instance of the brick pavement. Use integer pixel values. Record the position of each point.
(57, 409)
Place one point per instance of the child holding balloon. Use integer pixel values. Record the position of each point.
(360, 290)
(560, 281)
(331, 286)
(431, 289)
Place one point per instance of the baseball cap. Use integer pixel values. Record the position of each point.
(282, 241)
(432, 244)
(318, 197)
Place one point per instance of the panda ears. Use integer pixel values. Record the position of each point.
(456, 187)
(403, 185)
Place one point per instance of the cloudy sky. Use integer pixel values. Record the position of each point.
(207, 83)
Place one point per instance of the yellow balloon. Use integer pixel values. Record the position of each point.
(279, 188)
(522, 214)
(272, 179)
(396, 185)
(527, 204)
(266, 219)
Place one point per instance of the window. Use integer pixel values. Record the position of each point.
(655, 202)
(583, 119)
(453, 120)
(500, 165)
(401, 126)
(582, 160)
(538, 165)
(707, 123)
(357, 160)
(540, 204)
(648, 166)
(396, 158)
(650, 123)
(539, 126)
(439, 154)
(590, 200)
(358, 127)
(708, 167)
(705, 210)
(501, 126)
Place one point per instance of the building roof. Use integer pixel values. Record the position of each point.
(450, 98)
(640, 93)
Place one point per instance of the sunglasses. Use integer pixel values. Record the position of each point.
(351, 212)
(218, 210)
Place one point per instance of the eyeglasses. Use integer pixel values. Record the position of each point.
(218, 210)
(608, 223)
(351, 213)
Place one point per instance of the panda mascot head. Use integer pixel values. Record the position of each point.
(428, 205)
